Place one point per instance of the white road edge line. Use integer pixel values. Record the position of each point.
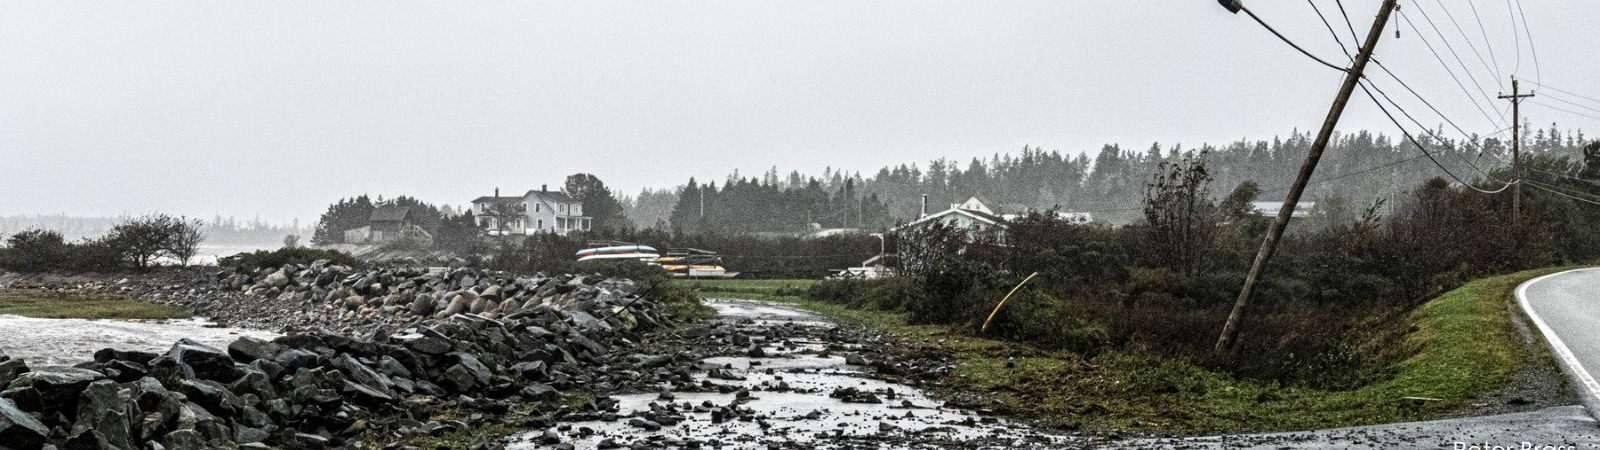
(1569, 363)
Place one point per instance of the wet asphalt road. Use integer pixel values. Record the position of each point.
(1568, 426)
(1566, 305)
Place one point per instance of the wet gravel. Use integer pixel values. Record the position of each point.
(771, 377)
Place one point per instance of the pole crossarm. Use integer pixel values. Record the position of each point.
(1516, 146)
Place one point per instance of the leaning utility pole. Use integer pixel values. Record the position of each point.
(1230, 331)
(1516, 149)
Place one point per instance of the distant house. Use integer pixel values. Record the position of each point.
(1270, 209)
(540, 211)
(970, 215)
(1075, 218)
(973, 217)
(386, 224)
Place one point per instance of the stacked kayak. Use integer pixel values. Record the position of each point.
(694, 263)
(627, 252)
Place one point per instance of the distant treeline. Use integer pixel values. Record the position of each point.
(219, 230)
(1357, 168)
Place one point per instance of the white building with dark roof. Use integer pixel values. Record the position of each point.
(538, 211)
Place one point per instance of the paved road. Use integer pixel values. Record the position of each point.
(1566, 308)
(1563, 427)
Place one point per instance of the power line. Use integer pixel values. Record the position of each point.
(1470, 45)
(1424, 149)
(1284, 188)
(1452, 73)
(1486, 42)
(1541, 186)
(1286, 40)
(1553, 88)
(1515, 38)
(1347, 24)
(1529, 32)
(1425, 128)
(1330, 29)
(1568, 111)
(1425, 101)
(1569, 102)
(1452, 48)
(1351, 174)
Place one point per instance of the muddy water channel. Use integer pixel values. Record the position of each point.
(793, 380)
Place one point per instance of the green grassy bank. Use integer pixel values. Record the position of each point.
(50, 304)
(1462, 345)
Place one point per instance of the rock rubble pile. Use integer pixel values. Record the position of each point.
(392, 350)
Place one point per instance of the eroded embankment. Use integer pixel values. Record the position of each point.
(397, 353)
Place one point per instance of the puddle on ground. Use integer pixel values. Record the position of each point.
(789, 401)
(47, 342)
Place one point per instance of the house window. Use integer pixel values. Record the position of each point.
(541, 224)
(535, 207)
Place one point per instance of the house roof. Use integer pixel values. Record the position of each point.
(554, 196)
(390, 214)
(489, 199)
(980, 216)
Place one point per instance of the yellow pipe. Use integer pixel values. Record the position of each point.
(1003, 302)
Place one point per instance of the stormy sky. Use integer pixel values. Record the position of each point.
(279, 108)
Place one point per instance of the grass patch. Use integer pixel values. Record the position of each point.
(789, 287)
(1462, 345)
(47, 304)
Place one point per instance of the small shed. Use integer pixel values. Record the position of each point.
(389, 222)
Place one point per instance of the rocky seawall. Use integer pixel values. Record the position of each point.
(373, 354)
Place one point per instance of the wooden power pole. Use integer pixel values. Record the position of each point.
(1516, 148)
(1230, 331)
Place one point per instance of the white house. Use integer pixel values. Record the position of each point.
(538, 211)
(970, 215)
(1075, 218)
(1270, 209)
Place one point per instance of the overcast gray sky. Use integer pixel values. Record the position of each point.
(279, 108)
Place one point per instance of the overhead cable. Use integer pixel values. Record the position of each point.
(1286, 40)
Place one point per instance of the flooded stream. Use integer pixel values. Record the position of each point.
(797, 391)
(45, 342)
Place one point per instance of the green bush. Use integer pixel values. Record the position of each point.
(639, 272)
(36, 251)
(886, 294)
(957, 292)
(101, 255)
(1041, 319)
(841, 291)
(284, 256)
(894, 294)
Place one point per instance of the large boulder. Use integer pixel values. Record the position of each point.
(432, 345)
(247, 349)
(108, 355)
(10, 369)
(106, 414)
(458, 304)
(209, 363)
(422, 305)
(18, 430)
(278, 279)
(57, 388)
